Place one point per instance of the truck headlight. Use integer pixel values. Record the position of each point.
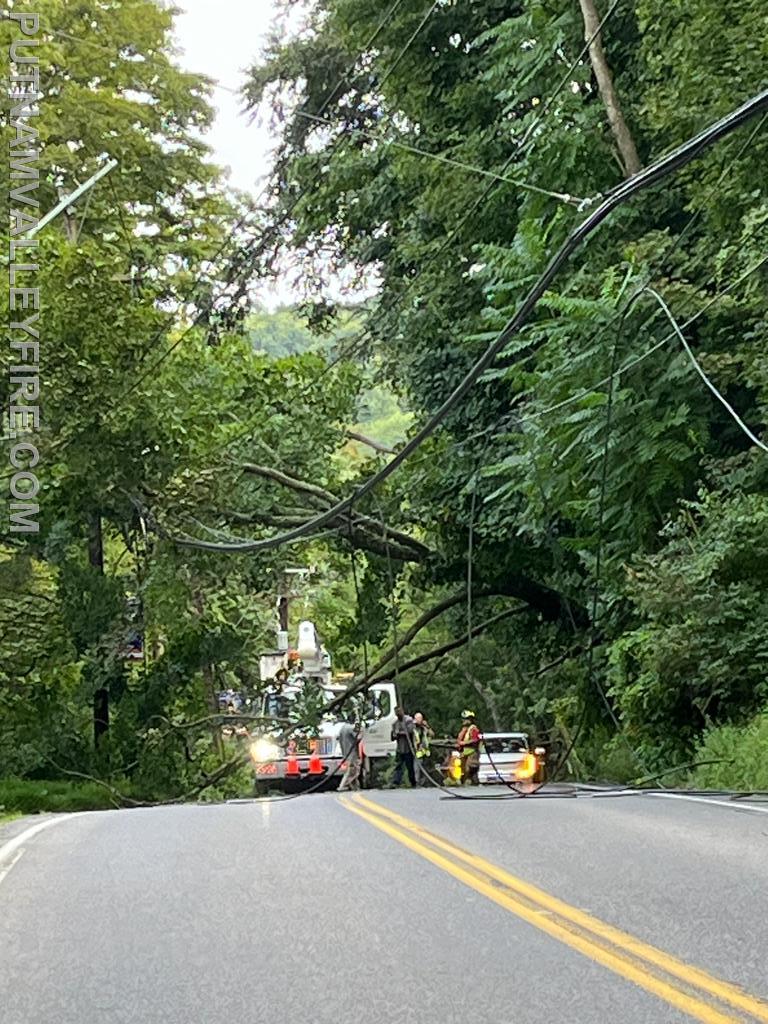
(264, 750)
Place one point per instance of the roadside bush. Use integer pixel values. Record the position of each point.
(26, 796)
(745, 746)
(614, 763)
(697, 657)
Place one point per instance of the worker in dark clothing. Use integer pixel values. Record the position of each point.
(349, 741)
(468, 743)
(402, 734)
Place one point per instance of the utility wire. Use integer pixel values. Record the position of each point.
(650, 176)
(541, 113)
(366, 46)
(620, 314)
(635, 360)
(677, 241)
(360, 686)
(407, 46)
(521, 420)
(450, 161)
(697, 366)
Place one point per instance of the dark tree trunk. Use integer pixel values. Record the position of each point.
(100, 716)
(101, 696)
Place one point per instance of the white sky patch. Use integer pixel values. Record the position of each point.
(221, 40)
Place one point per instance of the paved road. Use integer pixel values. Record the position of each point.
(398, 907)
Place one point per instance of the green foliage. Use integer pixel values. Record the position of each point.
(22, 796)
(551, 486)
(653, 515)
(146, 422)
(699, 653)
(279, 334)
(741, 756)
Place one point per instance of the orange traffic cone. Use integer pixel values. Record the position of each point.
(315, 764)
(292, 766)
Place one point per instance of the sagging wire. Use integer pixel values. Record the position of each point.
(470, 632)
(356, 581)
(697, 366)
(595, 593)
(620, 314)
(676, 243)
(423, 770)
(593, 626)
(674, 246)
(447, 791)
(593, 639)
(610, 381)
(321, 782)
(516, 153)
(561, 197)
(593, 633)
(650, 176)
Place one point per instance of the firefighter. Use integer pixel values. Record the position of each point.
(422, 733)
(468, 742)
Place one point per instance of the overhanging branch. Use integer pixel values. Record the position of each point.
(440, 652)
(325, 499)
(377, 446)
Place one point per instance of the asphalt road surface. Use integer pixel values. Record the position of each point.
(391, 907)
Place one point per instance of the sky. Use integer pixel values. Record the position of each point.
(220, 39)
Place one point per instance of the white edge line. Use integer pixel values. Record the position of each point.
(14, 862)
(732, 804)
(12, 845)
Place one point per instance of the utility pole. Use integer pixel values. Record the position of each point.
(101, 696)
(71, 199)
(621, 133)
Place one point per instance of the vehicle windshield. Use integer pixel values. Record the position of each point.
(506, 745)
(278, 705)
(284, 705)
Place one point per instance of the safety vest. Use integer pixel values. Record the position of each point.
(474, 745)
(422, 741)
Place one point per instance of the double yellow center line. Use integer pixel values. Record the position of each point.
(687, 988)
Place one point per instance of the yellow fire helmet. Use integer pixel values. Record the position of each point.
(467, 714)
